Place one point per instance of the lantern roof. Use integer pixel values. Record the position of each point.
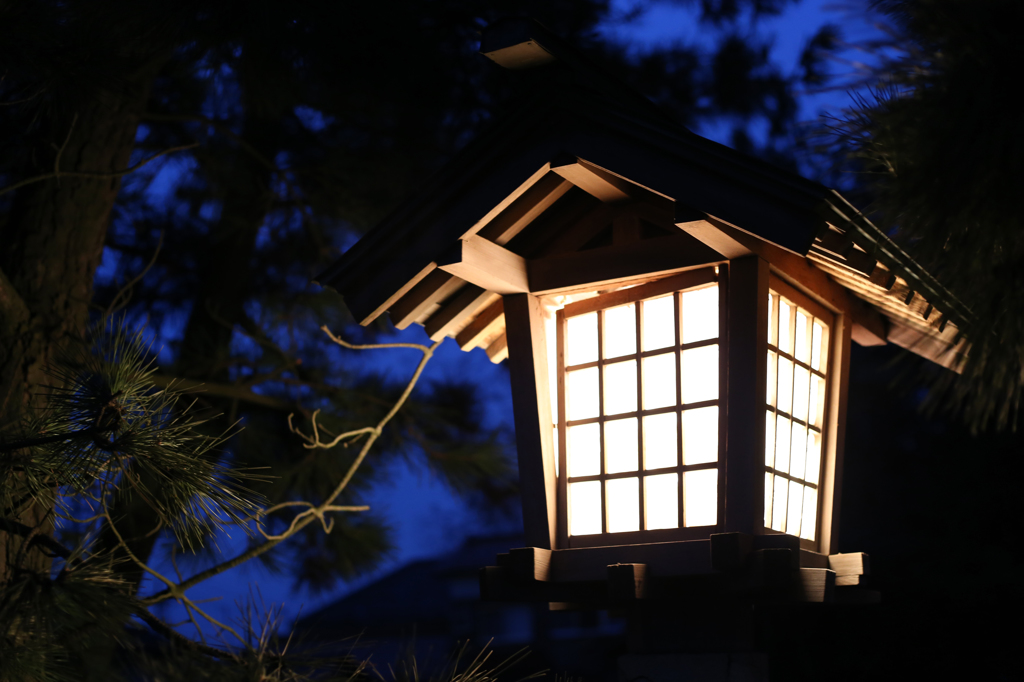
(585, 175)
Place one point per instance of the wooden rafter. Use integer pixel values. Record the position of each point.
(434, 288)
(524, 210)
(484, 327)
(457, 312)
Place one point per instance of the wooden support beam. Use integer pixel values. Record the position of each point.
(529, 563)
(454, 313)
(528, 370)
(593, 180)
(434, 288)
(523, 210)
(831, 488)
(627, 583)
(606, 266)
(487, 265)
(484, 326)
(744, 377)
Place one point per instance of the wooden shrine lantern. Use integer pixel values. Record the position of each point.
(677, 318)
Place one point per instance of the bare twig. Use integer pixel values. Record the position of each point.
(306, 517)
(126, 291)
(98, 176)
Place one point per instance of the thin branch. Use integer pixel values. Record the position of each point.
(125, 291)
(375, 346)
(175, 636)
(305, 518)
(313, 442)
(98, 176)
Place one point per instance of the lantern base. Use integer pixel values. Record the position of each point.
(727, 567)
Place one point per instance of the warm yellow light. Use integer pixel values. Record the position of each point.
(785, 333)
(582, 339)
(584, 450)
(803, 351)
(585, 508)
(620, 331)
(623, 498)
(817, 401)
(700, 314)
(620, 387)
(816, 346)
(769, 439)
(700, 498)
(801, 388)
(813, 457)
(768, 499)
(659, 381)
(660, 444)
(621, 446)
(810, 514)
(798, 451)
(779, 504)
(661, 500)
(773, 380)
(700, 435)
(785, 391)
(796, 505)
(782, 444)
(583, 393)
(659, 323)
(772, 326)
(700, 374)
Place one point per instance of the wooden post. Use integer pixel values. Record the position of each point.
(745, 395)
(528, 370)
(832, 479)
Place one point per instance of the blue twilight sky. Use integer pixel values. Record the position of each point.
(427, 518)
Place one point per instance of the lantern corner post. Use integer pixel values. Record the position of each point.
(745, 374)
(528, 370)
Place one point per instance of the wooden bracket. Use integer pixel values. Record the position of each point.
(529, 563)
(626, 584)
(487, 265)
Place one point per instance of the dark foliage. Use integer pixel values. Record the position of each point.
(937, 142)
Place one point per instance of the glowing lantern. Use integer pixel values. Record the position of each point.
(677, 318)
